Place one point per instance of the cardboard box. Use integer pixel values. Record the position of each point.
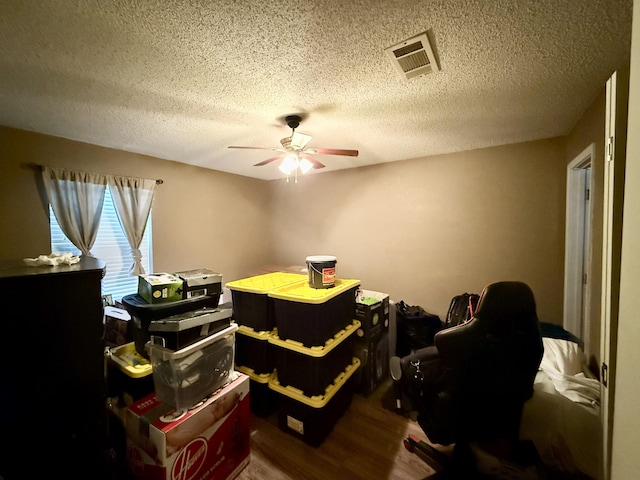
(372, 309)
(160, 287)
(206, 442)
(200, 282)
(373, 353)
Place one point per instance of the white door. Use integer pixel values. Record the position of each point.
(617, 90)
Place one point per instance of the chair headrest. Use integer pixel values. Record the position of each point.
(506, 299)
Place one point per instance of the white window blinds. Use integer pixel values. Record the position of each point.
(112, 247)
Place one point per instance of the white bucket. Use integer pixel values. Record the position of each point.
(322, 271)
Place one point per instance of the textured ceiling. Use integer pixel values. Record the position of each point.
(183, 80)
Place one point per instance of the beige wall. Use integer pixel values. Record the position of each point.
(421, 230)
(425, 230)
(201, 218)
(625, 461)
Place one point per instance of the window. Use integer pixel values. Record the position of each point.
(111, 247)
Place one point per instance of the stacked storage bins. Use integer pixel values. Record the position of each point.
(187, 338)
(253, 311)
(315, 366)
(186, 341)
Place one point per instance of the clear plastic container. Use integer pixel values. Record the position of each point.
(182, 378)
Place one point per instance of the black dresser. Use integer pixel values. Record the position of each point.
(52, 413)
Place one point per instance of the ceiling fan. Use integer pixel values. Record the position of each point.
(294, 152)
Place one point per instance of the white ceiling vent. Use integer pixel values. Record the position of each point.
(413, 57)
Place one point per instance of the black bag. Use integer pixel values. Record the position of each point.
(461, 309)
(415, 328)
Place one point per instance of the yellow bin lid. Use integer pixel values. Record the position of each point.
(250, 372)
(317, 401)
(265, 283)
(258, 335)
(316, 351)
(302, 292)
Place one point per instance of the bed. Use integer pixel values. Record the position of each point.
(562, 418)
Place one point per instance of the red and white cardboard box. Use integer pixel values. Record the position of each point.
(207, 441)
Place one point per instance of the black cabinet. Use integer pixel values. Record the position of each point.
(52, 410)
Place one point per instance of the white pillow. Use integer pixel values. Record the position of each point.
(562, 356)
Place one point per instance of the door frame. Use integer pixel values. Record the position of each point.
(578, 251)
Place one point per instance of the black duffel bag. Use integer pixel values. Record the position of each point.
(415, 328)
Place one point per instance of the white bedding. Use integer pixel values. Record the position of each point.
(563, 416)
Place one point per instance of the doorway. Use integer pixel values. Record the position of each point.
(576, 316)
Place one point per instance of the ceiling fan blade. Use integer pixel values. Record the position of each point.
(268, 160)
(315, 163)
(257, 148)
(299, 140)
(334, 151)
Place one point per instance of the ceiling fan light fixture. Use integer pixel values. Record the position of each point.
(305, 165)
(289, 164)
(298, 156)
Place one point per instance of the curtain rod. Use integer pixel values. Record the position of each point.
(159, 181)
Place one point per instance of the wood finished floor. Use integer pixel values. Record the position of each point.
(366, 443)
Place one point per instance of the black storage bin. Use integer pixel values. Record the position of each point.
(311, 315)
(262, 400)
(143, 313)
(254, 351)
(129, 375)
(179, 331)
(312, 418)
(252, 306)
(313, 369)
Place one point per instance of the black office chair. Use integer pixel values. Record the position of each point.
(471, 385)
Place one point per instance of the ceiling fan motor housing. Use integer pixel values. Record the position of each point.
(293, 121)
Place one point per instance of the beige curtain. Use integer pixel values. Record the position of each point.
(76, 199)
(132, 198)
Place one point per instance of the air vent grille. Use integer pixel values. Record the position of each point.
(413, 57)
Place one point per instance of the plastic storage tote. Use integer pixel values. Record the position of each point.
(143, 313)
(184, 377)
(311, 316)
(129, 374)
(262, 400)
(312, 418)
(252, 306)
(313, 369)
(254, 351)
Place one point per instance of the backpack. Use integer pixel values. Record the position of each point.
(461, 309)
(415, 328)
